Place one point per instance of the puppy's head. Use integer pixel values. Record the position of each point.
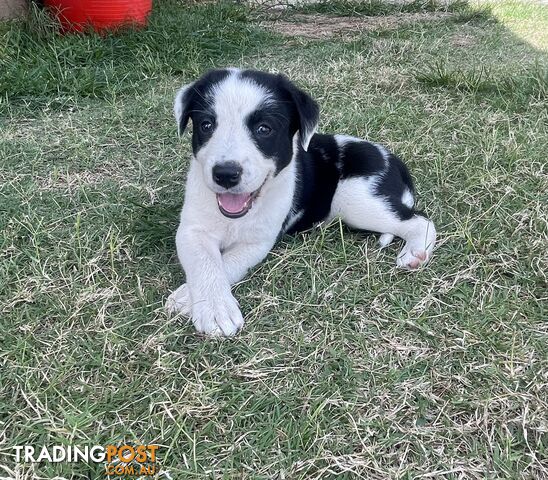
(246, 125)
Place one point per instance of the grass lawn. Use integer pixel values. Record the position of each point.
(346, 366)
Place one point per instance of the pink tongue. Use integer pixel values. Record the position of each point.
(233, 202)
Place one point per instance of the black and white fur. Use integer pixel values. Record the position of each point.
(258, 171)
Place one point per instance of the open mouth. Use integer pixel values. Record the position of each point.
(236, 205)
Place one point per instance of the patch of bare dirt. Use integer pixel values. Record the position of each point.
(325, 26)
(285, 4)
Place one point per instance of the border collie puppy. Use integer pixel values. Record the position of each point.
(258, 171)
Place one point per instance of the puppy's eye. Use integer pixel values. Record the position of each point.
(206, 126)
(264, 130)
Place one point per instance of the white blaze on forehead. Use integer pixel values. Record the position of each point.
(235, 98)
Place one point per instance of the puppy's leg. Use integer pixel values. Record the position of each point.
(179, 301)
(236, 262)
(206, 295)
(385, 239)
(419, 234)
(359, 204)
(241, 257)
(199, 254)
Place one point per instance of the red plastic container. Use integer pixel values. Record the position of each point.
(101, 15)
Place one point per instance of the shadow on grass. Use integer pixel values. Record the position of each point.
(154, 227)
(36, 61)
(529, 84)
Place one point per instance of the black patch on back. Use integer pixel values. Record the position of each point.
(361, 158)
(321, 168)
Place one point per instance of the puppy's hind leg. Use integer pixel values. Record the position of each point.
(359, 204)
(419, 234)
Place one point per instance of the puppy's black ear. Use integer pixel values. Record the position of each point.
(307, 111)
(181, 107)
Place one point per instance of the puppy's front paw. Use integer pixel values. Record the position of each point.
(179, 301)
(217, 316)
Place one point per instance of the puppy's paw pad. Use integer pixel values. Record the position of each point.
(412, 259)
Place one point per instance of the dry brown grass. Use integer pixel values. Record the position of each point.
(317, 26)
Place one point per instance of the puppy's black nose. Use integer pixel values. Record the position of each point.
(227, 174)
